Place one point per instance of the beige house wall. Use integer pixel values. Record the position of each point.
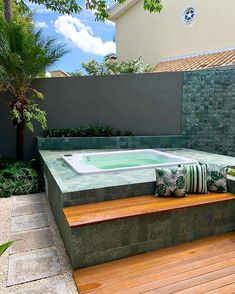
(158, 36)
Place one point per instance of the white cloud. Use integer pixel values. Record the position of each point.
(40, 24)
(82, 36)
(110, 23)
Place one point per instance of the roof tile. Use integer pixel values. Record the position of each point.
(209, 60)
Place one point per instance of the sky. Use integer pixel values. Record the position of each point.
(85, 38)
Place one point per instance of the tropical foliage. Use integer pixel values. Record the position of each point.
(112, 67)
(19, 178)
(92, 131)
(19, 15)
(24, 54)
(5, 246)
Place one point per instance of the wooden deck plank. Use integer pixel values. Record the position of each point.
(215, 244)
(129, 207)
(211, 256)
(164, 275)
(172, 283)
(209, 286)
(228, 289)
(163, 271)
(187, 286)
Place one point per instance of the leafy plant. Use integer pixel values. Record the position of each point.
(92, 131)
(24, 54)
(99, 7)
(112, 67)
(5, 246)
(20, 178)
(19, 14)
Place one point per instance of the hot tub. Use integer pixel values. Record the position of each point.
(103, 162)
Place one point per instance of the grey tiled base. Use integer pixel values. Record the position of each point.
(99, 243)
(29, 222)
(32, 266)
(36, 239)
(37, 197)
(58, 287)
(23, 208)
(231, 184)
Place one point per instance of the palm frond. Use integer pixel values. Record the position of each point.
(25, 54)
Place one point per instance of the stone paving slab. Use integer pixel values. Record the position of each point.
(29, 222)
(30, 240)
(58, 287)
(32, 266)
(23, 208)
(37, 197)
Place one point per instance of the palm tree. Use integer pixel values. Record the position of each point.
(7, 10)
(24, 54)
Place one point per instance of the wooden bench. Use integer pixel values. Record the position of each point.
(136, 206)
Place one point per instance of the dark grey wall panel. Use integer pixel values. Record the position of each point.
(147, 104)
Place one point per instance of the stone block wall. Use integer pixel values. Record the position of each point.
(208, 110)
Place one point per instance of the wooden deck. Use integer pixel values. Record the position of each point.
(122, 208)
(204, 266)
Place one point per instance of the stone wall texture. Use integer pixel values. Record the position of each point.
(208, 110)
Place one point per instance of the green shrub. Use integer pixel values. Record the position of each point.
(20, 178)
(92, 131)
(112, 67)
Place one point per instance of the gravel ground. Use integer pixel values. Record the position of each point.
(66, 275)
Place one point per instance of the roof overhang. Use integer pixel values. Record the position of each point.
(118, 9)
(204, 60)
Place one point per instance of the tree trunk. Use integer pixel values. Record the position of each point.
(20, 141)
(7, 10)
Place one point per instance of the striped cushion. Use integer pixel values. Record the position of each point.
(196, 179)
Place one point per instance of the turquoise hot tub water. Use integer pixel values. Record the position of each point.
(123, 160)
(105, 162)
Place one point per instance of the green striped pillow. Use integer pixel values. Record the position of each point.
(196, 179)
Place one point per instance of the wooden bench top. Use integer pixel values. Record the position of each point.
(129, 207)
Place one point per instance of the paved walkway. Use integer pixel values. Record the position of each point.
(37, 262)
